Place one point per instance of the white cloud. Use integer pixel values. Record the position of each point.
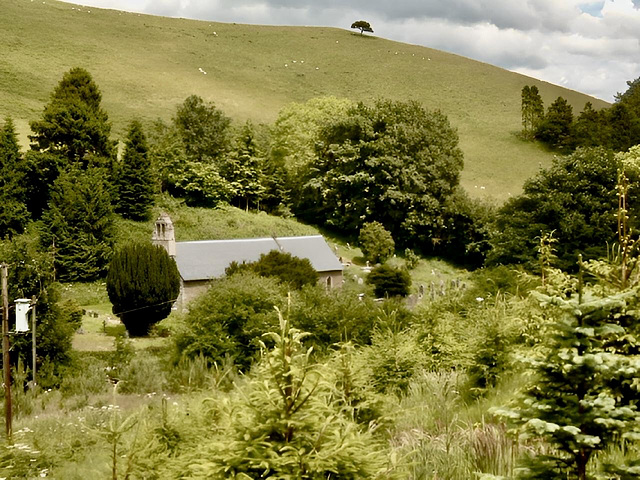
(588, 45)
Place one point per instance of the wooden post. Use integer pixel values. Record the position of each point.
(6, 362)
(33, 338)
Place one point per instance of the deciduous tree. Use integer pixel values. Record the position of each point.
(376, 242)
(362, 26)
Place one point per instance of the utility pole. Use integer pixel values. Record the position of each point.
(6, 362)
(33, 338)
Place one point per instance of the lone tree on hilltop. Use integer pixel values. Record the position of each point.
(362, 26)
(142, 283)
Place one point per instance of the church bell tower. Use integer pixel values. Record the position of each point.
(164, 235)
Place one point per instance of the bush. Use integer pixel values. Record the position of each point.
(142, 283)
(332, 316)
(389, 281)
(295, 272)
(376, 242)
(229, 319)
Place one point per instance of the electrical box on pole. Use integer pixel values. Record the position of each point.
(23, 305)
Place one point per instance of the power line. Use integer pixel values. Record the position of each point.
(142, 308)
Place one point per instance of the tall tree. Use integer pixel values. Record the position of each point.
(134, 181)
(203, 129)
(555, 128)
(624, 127)
(242, 168)
(73, 124)
(532, 110)
(576, 197)
(13, 211)
(395, 163)
(590, 129)
(78, 226)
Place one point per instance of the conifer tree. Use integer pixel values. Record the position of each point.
(242, 168)
(143, 283)
(556, 127)
(578, 400)
(73, 124)
(134, 183)
(532, 110)
(13, 212)
(78, 226)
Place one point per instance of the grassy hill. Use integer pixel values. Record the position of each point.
(146, 65)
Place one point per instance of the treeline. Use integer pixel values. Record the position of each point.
(331, 162)
(616, 128)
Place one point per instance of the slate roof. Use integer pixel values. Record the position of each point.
(204, 260)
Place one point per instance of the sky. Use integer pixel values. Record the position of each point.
(592, 46)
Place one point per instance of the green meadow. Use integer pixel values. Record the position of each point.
(147, 65)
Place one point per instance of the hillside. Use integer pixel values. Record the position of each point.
(146, 65)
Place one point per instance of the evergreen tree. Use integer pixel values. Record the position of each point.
(78, 226)
(134, 182)
(13, 211)
(389, 281)
(576, 400)
(624, 127)
(142, 283)
(41, 171)
(73, 123)
(532, 110)
(555, 128)
(243, 168)
(590, 129)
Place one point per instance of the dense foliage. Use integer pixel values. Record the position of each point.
(13, 210)
(376, 242)
(229, 319)
(388, 281)
(134, 181)
(394, 162)
(78, 225)
(617, 127)
(73, 124)
(575, 198)
(292, 271)
(143, 283)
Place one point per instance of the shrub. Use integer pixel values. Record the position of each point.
(228, 320)
(376, 242)
(295, 272)
(332, 316)
(142, 283)
(389, 281)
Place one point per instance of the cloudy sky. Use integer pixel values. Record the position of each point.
(588, 45)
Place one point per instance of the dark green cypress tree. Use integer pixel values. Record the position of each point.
(13, 212)
(134, 183)
(78, 226)
(143, 282)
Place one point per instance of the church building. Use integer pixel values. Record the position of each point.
(199, 262)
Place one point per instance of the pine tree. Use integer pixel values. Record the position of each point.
(243, 168)
(13, 212)
(143, 283)
(556, 127)
(134, 183)
(73, 124)
(578, 400)
(78, 226)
